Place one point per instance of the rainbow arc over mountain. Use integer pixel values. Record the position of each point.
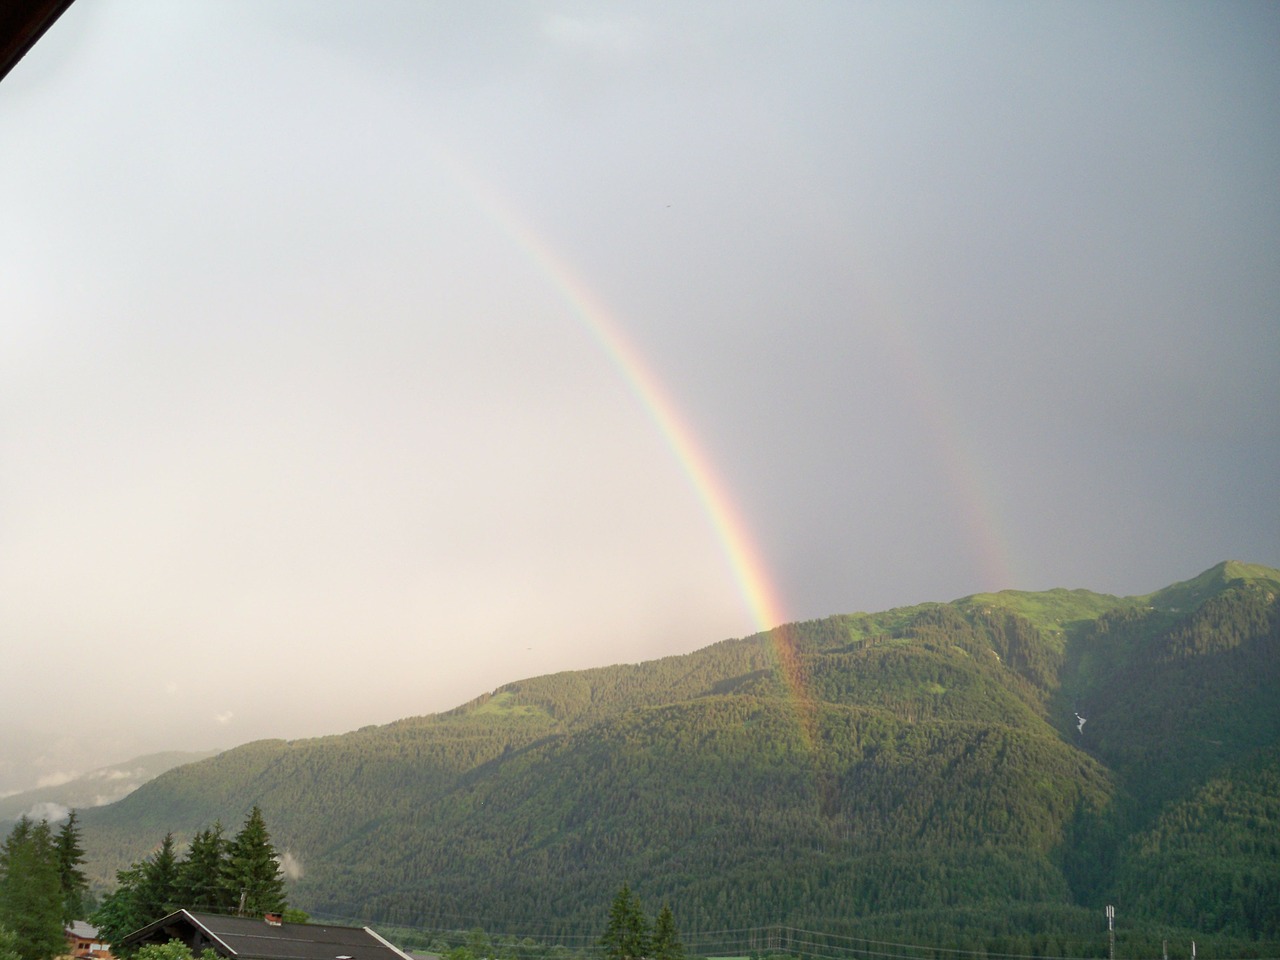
(740, 548)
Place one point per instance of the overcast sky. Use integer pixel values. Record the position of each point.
(356, 358)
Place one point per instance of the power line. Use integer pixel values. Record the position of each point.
(758, 941)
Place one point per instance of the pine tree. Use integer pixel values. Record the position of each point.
(627, 935)
(666, 943)
(70, 877)
(201, 874)
(30, 895)
(19, 835)
(253, 869)
(156, 894)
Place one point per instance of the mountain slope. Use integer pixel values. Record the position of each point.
(1215, 856)
(922, 766)
(93, 789)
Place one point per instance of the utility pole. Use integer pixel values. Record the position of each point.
(1111, 934)
(1165, 949)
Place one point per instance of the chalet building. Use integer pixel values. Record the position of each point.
(83, 943)
(246, 938)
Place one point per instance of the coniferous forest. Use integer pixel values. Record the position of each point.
(986, 774)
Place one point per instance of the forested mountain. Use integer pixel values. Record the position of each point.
(93, 789)
(987, 771)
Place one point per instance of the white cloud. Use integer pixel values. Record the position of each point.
(290, 866)
(56, 779)
(222, 719)
(53, 812)
(115, 773)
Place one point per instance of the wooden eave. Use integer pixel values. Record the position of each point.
(22, 23)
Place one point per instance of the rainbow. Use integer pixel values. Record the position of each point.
(741, 551)
(751, 573)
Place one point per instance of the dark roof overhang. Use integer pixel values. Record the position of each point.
(22, 23)
(252, 938)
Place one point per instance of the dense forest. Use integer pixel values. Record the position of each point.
(42, 888)
(985, 774)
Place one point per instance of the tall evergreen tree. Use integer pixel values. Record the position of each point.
(201, 873)
(157, 892)
(19, 835)
(253, 869)
(666, 944)
(30, 895)
(627, 935)
(70, 877)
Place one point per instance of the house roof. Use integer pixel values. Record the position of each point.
(246, 938)
(83, 930)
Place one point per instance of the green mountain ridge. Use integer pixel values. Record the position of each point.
(93, 789)
(922, 771)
